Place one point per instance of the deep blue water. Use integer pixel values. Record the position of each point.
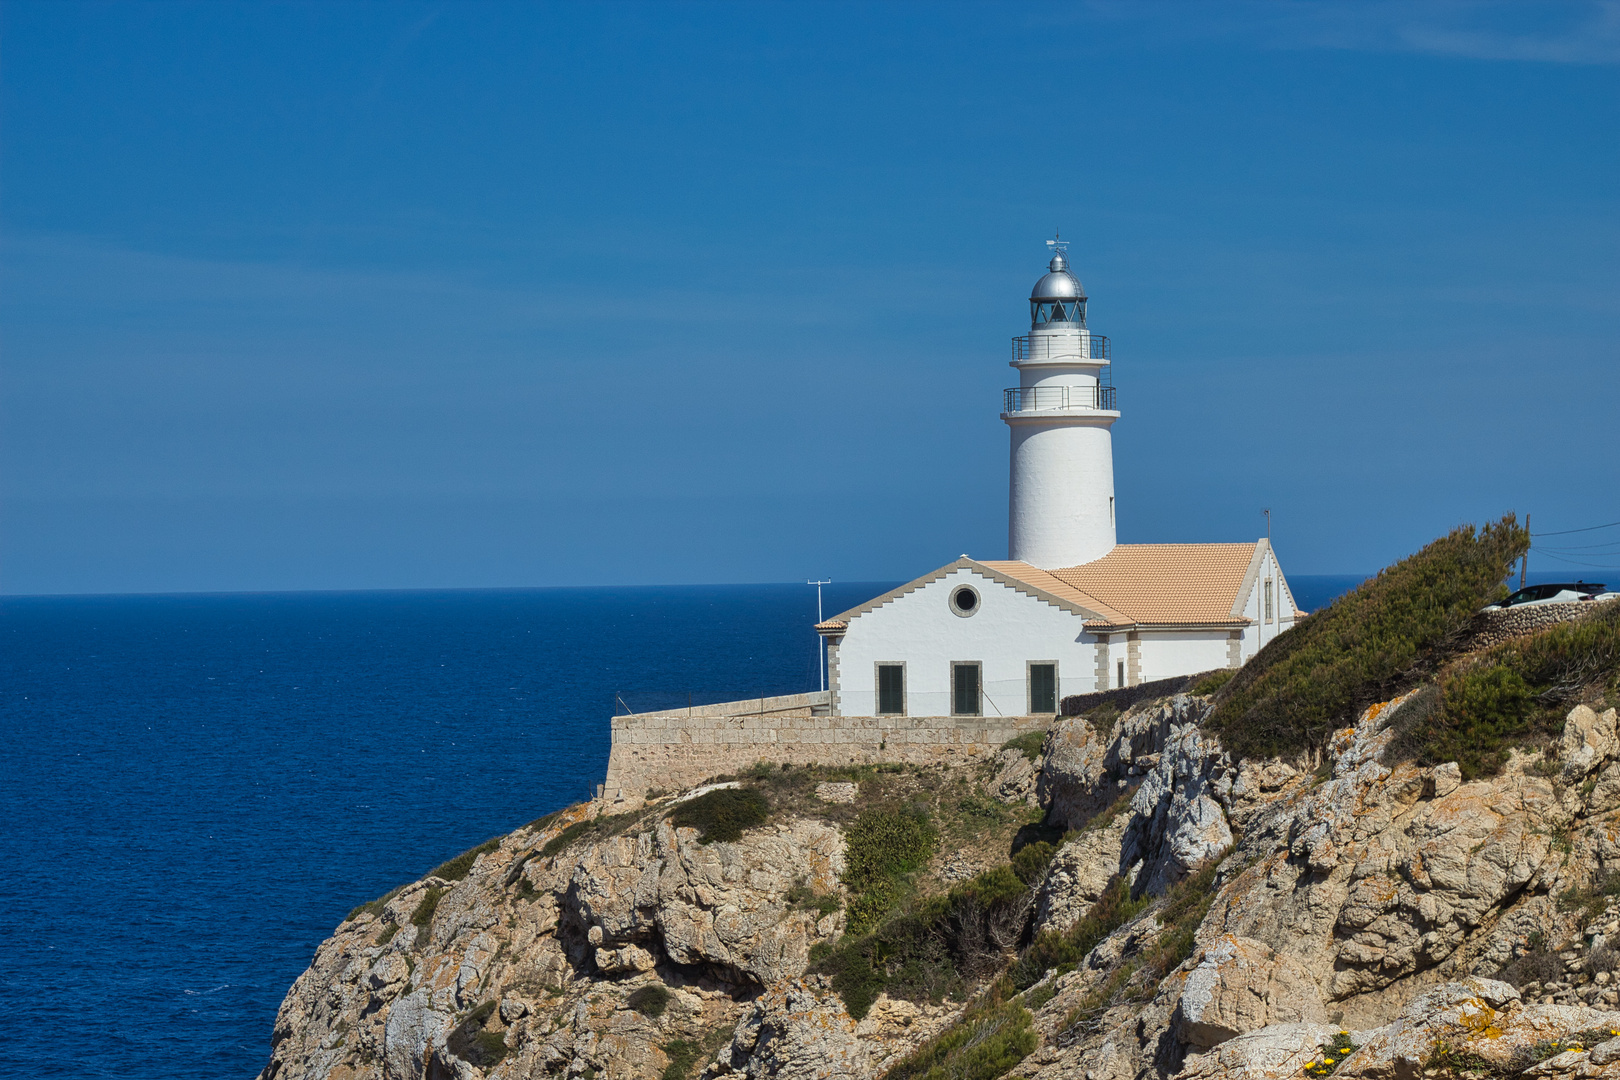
(198, 788)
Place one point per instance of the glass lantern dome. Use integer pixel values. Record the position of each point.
(1058, 299)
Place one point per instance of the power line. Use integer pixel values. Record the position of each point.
(1577, 562)
(1612, 547)
(1589, 528)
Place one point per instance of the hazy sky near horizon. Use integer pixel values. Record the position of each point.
(313, 296)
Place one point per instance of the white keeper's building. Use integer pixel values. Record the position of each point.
(1069, 611)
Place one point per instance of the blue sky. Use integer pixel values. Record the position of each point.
(394, 296)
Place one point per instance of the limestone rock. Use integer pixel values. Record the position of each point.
(1588, 742)
(1015, 777)
(1074, 783)
(795, 1032)
(837, 791)
(1273, 1052)
(1078, 874)
(1177, 823)
(716, 904)
(413, 1036)
(1242, 985)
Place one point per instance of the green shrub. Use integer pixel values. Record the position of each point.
(650, 1000)
(802, 897)
(1052, 948)
(472, 1044)
(1313, 678)
(683, 1055)
(459, 867)
(1483, 712)
(1030, 743)
(990, 1038)
(905, 956)
(374, 907)
(883, 845)
(567, 836)
(981, 919)
(1029, 862)
(422, 917)
(1510, 696)
(723, 815)
(1212, 682)
(1103, 718)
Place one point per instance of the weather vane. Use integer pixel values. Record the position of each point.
(1059, 245)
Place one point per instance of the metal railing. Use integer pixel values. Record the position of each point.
(1017, 399)
(1032, 347)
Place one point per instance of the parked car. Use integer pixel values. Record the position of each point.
(1566, 592)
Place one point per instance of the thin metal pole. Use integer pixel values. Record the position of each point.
(821, 642)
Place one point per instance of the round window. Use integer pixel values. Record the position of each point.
(964, 601)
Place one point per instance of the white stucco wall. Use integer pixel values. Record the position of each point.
(920, 630)
(1061, 490)
(1261, 632)
(1060, 508)
(1166, 654)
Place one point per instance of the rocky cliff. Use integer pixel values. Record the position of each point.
(1128, 902)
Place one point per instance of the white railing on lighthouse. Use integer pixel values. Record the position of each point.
(1020, 399)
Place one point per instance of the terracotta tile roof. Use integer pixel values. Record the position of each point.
(1049, 582)
(1134, 584)
(1167, 583)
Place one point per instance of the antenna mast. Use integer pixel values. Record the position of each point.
(821, 642)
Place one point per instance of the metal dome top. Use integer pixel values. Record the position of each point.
(1058, 284)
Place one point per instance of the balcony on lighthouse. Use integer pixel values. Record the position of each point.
(1063, 367)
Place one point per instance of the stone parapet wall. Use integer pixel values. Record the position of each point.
(1494, 627)
(669, 752)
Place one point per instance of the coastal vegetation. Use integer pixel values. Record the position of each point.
(1364, 646)
(1029, 744)
(458, 868)
(473, 1044)
(649, 1000)
(1515, 694)
(722, 815)
(994, 1034)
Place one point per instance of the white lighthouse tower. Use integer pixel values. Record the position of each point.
(1061, 504)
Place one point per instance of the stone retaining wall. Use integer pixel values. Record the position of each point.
(1494, 627)
(672, 751)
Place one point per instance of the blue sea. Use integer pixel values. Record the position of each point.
(200, 787)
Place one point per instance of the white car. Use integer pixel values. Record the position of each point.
(1559, 593)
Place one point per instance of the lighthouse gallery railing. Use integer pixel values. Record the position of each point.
(1033, 347)
(1017, 399)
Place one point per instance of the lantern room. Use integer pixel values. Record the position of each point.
(1058, 300)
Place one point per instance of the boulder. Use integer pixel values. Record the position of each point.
(1074, 783)
(795, 1032)
(1078, 874)
(413, 1036)
(1588, 742)
(1242, 985)
(1274, 1052)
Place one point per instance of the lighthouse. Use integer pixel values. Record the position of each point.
(1061, 496)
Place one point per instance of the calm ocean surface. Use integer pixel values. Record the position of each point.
(199, 788)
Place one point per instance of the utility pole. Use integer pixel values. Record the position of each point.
(821, 642)
(1524, 563)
